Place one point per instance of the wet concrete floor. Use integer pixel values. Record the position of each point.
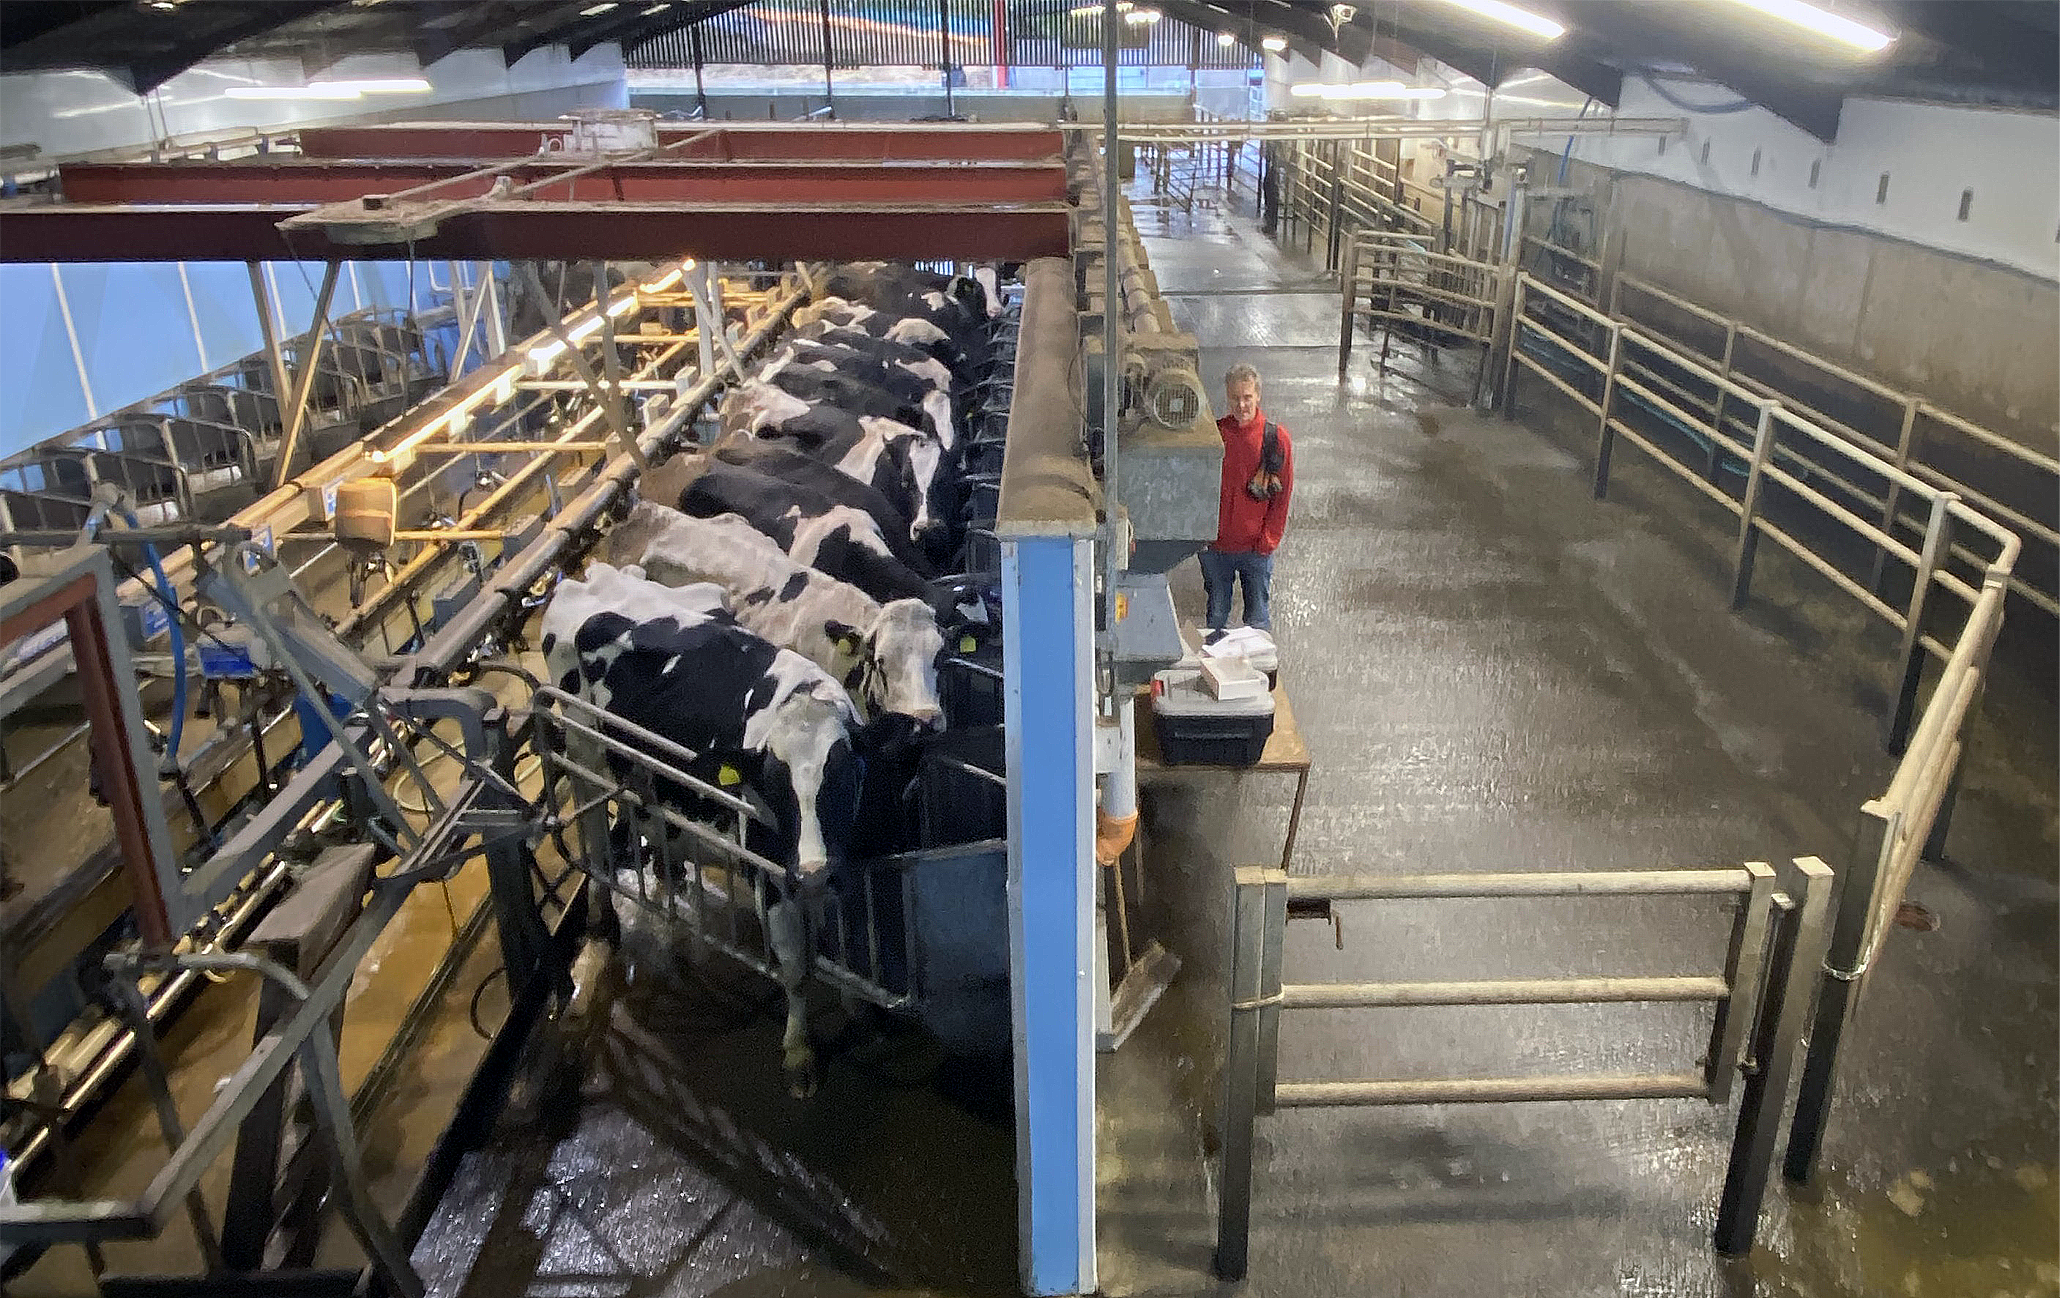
(1495, 672)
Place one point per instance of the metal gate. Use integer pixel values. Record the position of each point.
(1762, 998)
(1394, 280)
(622, 792)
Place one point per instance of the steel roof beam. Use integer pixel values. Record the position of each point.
(147, 74)
(728, 141)
(322, 181)
(517, 230)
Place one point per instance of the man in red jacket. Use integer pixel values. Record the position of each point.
(1258, 479)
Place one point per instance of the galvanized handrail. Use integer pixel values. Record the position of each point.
(1765, 464)
(1914, 409)
(1761, 999)
(1911, 815)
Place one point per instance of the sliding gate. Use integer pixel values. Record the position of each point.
(1761, 997)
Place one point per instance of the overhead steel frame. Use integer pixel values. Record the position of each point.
(482, 193)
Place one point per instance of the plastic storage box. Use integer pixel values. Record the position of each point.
(1195, 729)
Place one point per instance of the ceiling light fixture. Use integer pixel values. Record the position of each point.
(291, 92)
(375, 85)
(602, 8)
(1275, 43)
(1522, 19)
(1824, 23)
(1225, 39)
(1365, 90)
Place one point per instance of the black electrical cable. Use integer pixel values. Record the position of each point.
(472, 1008)
(1737, 106)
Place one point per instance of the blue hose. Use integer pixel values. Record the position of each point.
(171, 603)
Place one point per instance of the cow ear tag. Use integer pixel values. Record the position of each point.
(967, 644)
(728, 776)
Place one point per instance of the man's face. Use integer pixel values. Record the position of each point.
(1243, 398)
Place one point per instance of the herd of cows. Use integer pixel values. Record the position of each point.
(778, 603)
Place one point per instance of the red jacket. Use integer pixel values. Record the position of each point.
(1244, 525)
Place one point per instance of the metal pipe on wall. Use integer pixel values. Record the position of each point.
(1112, 382)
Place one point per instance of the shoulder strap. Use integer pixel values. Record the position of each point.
(1270, 457)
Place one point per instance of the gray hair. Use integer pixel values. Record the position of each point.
(1241, 373)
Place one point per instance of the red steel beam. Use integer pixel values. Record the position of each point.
(310, 181)
(731, 141)
(515, 229)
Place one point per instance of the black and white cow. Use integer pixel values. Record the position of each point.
(950, 337)
(932, 409)
(885, 654)
(883, 489)
(902, 464)
(890, 286)
(860, 357)
(658, 659)
(812, 529)
(908, 356)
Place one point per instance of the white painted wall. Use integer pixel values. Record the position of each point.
(76, 112)
(2010, 159)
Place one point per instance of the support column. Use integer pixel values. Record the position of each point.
(1047, 585)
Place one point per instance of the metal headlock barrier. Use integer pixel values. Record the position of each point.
(1793, 486)
(1761, 997)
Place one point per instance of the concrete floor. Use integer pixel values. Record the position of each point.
(1495, 672)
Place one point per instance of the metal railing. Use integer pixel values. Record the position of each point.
(1641, 388)
(622, 789)
(1776, 942)
(1758, 360)
(1636, 385)
(1393, 278)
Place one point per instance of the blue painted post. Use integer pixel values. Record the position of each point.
(1047, 583)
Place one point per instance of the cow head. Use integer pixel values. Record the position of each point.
(631, 539)
(971, 296)
(937, 407)
(896, 661)
(808, 741)
(925, 528)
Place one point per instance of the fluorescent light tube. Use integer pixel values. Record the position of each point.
(591, 10)
(1823, 22)
(291, 92)
(1275, 43)
(375, 85)
(1522, 19)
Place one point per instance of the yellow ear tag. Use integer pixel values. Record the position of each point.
(728, 776)
(967, 644)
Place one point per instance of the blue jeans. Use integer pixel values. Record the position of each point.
(1221, 570)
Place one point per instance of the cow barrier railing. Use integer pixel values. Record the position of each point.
(1588, 357)
(619, 788)
(1614, 369)
(1914, 419)
(1395, 278)
(1762, 996)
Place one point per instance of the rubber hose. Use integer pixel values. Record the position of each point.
(171, 603)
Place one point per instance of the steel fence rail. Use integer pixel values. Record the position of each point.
(1910, 410)
(1611, 366)
(1776, 944)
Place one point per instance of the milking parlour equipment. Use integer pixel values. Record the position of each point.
(328, 834)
